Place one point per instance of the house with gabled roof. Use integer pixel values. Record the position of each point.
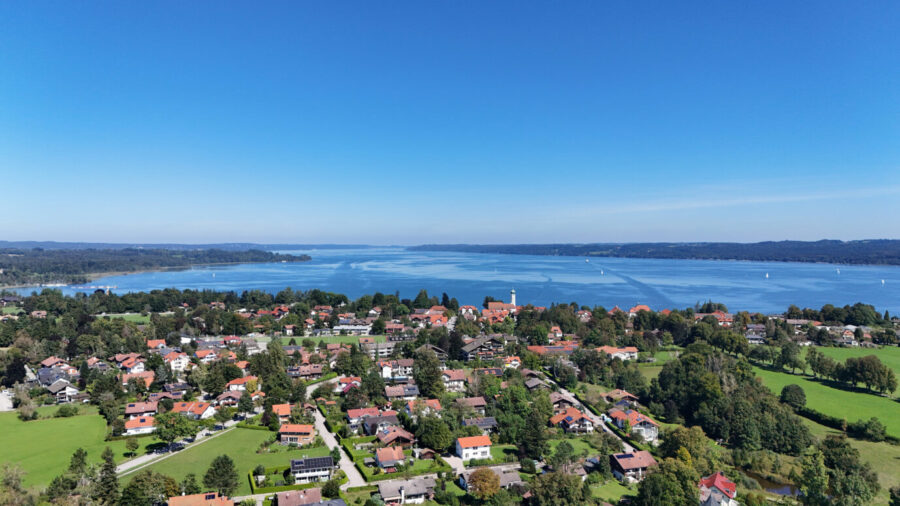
(454, 380)
(396, 436)
(138, 409)
(389, 456)
(312, 469)
(355, 417)
(139, 425)
(241, 383)
(631, 467)
(194, 410)
(473, 447)
(573, 420)
(404, 392)
(477, 404)
(717, 490)
(640, 424)
(296, 433)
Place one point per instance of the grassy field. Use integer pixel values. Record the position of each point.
(240, 445)
(42, 447)
(612, 491)
(883, 457)
(650, 371)
(836, 402)
(889, 355)
(10, 310)
(131, 317)
(580, 446)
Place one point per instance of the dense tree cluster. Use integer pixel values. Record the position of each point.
(719, 393)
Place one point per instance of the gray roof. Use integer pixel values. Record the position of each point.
(414, 486)
(488, 422)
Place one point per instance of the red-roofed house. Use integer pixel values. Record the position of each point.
(194, 410)
(389, 456)
(355, 417)
(572, 420)
(139, 425)
(640, 424)
(177, 360)
(637, 309)
(282, 411)
(205, 356)
(147, 377)
(204, 499)
(717, 490)
(474, 447)
(241, 383)
(626, 353)
(296, 433)
(156, 344)
(454, 380)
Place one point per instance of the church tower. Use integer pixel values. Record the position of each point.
(512, 296)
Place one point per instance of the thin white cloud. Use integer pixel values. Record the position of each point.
(701, 201)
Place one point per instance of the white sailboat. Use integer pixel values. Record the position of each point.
(767, 275)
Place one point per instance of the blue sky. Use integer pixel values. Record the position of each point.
(415, 122)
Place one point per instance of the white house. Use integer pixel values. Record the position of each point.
(138, 426)
(312, 469)
(473, 447)
(177, 361)
(454, 380)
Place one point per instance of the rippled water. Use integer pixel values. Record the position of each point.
(542, 280)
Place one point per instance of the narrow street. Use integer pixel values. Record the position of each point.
(594, 418)
(354, 477)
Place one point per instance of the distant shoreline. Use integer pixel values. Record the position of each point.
(883, 252)
(93, 276)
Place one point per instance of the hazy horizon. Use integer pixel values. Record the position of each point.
(410, 123)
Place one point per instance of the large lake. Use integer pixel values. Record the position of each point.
(542, 280)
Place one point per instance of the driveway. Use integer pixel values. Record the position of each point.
(354, 478)
(6, 403)
(594, 418)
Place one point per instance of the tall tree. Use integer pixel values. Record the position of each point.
(107, 488)
(427, 373)
(483, 483)
(814, 479)
(221, 475)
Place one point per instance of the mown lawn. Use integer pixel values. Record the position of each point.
(499, 452)
(10, 310)
(650, 371)
(239, 444)
(611, 491)
(42, 448)
(131, 317)
(883, 457)
(579, 445)
(845, 404)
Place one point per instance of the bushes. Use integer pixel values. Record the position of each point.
(66, 411)
(872, 429)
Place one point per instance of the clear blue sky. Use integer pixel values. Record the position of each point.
(415, 122)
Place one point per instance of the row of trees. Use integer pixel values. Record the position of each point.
(146, 488)
(868, 370)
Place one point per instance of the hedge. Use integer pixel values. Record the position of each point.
(369, 477)
(327, 377)
(138, 436)
(835, 422)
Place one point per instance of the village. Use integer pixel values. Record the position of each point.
(364, 405)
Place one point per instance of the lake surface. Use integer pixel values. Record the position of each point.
(542, 280)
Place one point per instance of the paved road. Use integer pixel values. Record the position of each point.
(152, 458)
(6, 403)
(354, 478)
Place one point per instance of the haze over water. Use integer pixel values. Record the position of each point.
(542, 280)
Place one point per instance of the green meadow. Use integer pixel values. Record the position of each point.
(883, 457)
(239, 444)
(42, 447)
(850, 405)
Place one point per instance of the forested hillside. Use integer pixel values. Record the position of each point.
(879, 252)
(35, 266)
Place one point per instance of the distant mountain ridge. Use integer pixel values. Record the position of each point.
(225, 246)
(870, 252)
